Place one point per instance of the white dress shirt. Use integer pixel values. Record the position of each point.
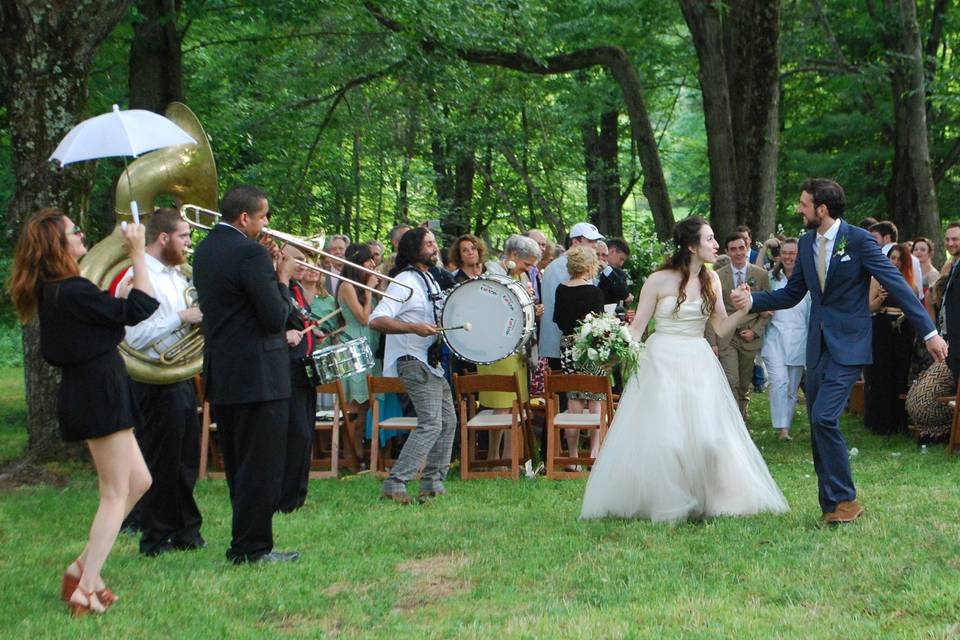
(419, 308)
(162, 329)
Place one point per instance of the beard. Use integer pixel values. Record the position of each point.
(172, 257)
(811, 224)
(428, 260)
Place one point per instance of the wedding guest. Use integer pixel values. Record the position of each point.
(80, 329)
(923, 252)
(887, 377)
(388, 262)
(467, 254)
(949, 316)
(356, 304)
(574, 299)
(886, 234)
(785, 344)
(376, 250)
(519, 254)
(336, 246)
(535, 273)
(737, 352)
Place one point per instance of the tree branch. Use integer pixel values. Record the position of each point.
(949, 160)
(824, 22)
(286, 36)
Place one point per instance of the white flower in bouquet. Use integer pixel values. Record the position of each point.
(593, 354)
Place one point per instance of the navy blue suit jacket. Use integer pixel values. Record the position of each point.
(840, 314)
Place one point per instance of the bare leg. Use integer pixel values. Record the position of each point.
(595, 435)
(496, 438)
(123, 478)
(573, 435)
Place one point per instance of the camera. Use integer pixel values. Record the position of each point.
(775, 251)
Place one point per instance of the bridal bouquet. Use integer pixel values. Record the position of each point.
(601, 342)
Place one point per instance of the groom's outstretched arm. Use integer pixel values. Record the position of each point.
(785, 298)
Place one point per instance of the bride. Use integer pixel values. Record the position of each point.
(678, 448)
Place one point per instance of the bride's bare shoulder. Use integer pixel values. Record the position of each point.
(663, 282)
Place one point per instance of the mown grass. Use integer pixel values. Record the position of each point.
(496, 559)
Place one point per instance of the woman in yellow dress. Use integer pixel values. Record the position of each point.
(519, 254)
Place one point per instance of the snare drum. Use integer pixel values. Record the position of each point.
(501, 312)
(338, 361)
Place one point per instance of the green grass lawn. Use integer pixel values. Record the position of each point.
(497, 559)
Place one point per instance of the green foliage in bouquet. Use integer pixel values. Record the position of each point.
(602, 342)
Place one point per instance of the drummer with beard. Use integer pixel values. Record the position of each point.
(303, 395)
(413, 354)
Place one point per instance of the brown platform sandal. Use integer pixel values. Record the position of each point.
(78, 609)
(70, 583)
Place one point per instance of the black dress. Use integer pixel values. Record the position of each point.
(80, 328)
(571, 305)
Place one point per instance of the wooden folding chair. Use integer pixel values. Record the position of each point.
(379, 384)
(209, 451)
(331, 426)
(473, 420)
(557, 421)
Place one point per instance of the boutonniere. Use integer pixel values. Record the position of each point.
(841, 247)
(752, 282)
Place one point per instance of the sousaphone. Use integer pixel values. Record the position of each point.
(186, 173)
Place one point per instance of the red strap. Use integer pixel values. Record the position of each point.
(306, 323)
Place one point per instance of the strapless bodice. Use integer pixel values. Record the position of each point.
(687, 321)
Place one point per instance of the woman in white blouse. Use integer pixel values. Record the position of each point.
(784, 345)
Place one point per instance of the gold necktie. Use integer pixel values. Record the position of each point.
(739, 279)
(822, 261)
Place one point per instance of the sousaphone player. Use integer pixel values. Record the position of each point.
(170, 437)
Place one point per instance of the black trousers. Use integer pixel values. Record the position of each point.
(170, 442)
(253, 445)
(296, 468)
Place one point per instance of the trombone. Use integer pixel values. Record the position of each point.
(192, 215)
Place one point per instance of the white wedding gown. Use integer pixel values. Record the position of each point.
(678, 448)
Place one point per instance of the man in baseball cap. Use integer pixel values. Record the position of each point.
(585, 230)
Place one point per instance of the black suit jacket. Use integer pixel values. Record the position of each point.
(951, 298)
(244, 312)
(614, 285)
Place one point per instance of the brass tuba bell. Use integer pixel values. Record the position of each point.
(186, 173)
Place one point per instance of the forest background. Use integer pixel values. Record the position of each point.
(493, 116)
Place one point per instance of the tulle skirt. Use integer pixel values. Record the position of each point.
(678, 448)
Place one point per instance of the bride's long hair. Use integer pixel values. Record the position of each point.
(686, 234)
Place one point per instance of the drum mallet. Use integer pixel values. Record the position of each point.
(466, 326)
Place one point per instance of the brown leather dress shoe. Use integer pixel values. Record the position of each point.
(399, 496)
(847, 511)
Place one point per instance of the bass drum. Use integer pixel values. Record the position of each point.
(501, 313)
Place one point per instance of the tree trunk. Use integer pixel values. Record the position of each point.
(409, 144)
(356, 186)
(601, 153)
(155, 56)
(46, 50)
(706, 29)
(458, 222)
(927, 222)
(739, 55)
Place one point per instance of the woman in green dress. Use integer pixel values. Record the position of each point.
(355, 304)
(519, 254)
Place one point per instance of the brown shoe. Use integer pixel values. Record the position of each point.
(845, 512)
(398, 496)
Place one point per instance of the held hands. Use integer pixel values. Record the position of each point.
(741, 297)
(747, 335)
(937, 347)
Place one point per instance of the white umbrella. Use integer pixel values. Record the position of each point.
(119, 133)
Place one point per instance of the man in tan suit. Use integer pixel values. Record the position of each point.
(738, 351)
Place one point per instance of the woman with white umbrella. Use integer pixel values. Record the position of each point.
(80, 329)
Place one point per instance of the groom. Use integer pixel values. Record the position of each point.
(835, 263)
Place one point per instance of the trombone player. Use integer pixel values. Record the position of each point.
(170, 437)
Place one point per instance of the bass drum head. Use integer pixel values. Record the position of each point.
(500, 314)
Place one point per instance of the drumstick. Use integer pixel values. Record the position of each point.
(324, 337)
(319, 321)
(466, 326)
